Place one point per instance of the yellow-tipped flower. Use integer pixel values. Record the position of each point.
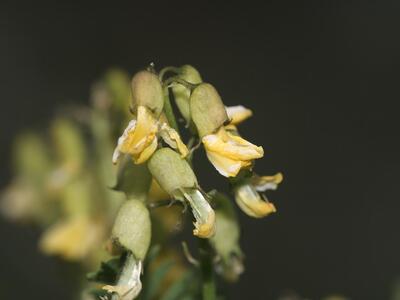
(140, 137)
(251, 202)
(230, 153)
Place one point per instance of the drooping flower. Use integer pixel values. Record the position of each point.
(250, 201)
(140, 138)
(228, 152)
(176, 177)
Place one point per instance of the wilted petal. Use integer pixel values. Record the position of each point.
(129, 284)
(263, 183)
(203, 213)
(172, 138)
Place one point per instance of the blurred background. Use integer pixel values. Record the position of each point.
(322, 79)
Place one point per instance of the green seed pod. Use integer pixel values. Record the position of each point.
(171, 171)
(207, 110)
(182, 93)
(132, 228)
(147, 91)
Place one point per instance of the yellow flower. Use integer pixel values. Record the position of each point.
(72, 239)
(140, 137)
(237, 114)
(251, 202)
(230, 153)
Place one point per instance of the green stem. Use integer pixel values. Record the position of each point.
(208, 279)
(169, 113)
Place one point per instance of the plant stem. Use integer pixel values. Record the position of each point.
(169, 113)
(208, 278)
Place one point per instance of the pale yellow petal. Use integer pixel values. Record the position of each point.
(225, 166)
(72, 239)
(251, 203)
(232, 146)
(146, 153)
(264, 183)
(237, 114)
(172, 138)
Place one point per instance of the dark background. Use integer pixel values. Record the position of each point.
(322, 79)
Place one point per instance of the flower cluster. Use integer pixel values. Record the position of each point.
(140, 152)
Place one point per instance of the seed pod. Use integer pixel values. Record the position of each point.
(171, 171)
(147, 91)
(207, 110)
(132, 228)
(182, 93)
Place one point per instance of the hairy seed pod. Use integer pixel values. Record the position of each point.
(132, 228)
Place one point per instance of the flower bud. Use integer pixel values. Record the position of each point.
(147, 91)
(69, 144)
(132, 228)
(226, 239)
(182, 93)
(207, 110)
(171, 171)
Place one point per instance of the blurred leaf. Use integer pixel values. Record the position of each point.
(155, 280)
(182, 286)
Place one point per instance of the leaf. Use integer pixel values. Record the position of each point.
(108, 271)
(155, 280)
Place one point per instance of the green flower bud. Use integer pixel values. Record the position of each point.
(118, 85)
(31, 157)
(147, 91)
(69, 144)
(132, 228)
(207, 110)
(226, 238)
(171, 171)
(182, 93)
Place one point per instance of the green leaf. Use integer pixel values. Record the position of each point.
(182, 286)
(155, 280)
